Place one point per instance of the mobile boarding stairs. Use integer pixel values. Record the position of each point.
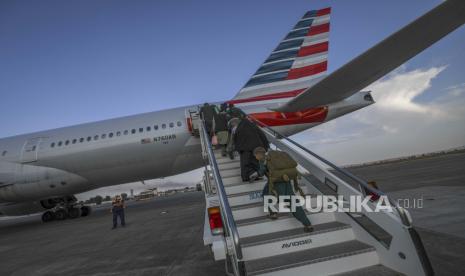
(342, 243)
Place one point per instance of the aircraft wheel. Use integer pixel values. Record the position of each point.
(60, 215)
(74, 213)
(85, 211)
(47, 216)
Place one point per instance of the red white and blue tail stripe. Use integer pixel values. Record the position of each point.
(298, 62)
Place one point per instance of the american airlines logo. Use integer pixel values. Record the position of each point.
(296, 243)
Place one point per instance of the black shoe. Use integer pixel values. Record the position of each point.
(114, 227)
(273, 216)
(308, 228)
(254, 176)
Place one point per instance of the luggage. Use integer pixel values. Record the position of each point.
(222, 137)
(214, 140)
(281, 168)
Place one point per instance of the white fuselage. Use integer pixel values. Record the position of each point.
(79, 158)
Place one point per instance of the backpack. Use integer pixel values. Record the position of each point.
(281, 168)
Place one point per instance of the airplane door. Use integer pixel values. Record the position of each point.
(30, 149)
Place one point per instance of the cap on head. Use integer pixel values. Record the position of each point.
(259, 150)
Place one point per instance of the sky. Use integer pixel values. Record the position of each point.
(70, 62)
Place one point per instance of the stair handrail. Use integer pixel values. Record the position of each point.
(401, 213)
(223, 199)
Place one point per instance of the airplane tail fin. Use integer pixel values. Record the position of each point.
(298, 62)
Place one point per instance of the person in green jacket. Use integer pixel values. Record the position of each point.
(283, 188)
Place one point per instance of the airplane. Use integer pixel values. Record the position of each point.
(290, 91)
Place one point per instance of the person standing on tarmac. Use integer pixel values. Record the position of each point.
(117, 209)
(247, 137)
(283, 188)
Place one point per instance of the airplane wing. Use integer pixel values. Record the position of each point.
(382, 58)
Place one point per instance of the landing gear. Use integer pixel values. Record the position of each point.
(60, 215)
(48, 216)
(85, 211)
(74, 212)
(63, 208)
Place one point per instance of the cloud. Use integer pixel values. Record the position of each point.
(456, 90)
(410, 116)
(398, 91)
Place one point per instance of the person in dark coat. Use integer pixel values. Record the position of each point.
(247, 137)
(220, 128)
(235, 112)
(207, 112)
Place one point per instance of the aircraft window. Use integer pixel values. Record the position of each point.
(179, 123)
(297, 33)
(267, 78)
(67, 142)
(89, 138)
(103, 136)
(141, 129)
(148, 128)
(118, 133)
(81, 140)
(289, 44)
(282, 55)
(74, 141)
(275, 67)
(171, 124)
(126, 132)
(96, 137)
(60, 143)
(155, 127)
(163, 126)
(52, 145)
(4, 152)
(133, 130)
(110, 135)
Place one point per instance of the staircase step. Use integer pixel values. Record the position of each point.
(244, 208)
(235, 180)
(244, 187)
(264, 225)
(378, 270)
(230, 172)
(246, 198)
(222, 161)
(292, 240)
(233, 164)
(325, 260)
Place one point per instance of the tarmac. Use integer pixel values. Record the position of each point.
(163, 236)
